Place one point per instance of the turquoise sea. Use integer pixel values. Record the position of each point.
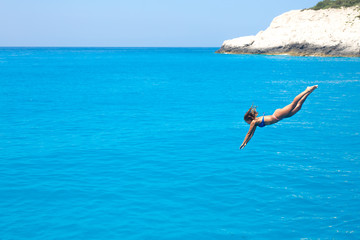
(143, 143)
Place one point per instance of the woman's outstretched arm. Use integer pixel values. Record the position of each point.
(249, 134)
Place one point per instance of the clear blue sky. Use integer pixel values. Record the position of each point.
(136, 23)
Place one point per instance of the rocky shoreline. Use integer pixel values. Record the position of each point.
(330, 32)
(295, 49)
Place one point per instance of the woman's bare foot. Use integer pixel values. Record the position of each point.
(311, 88)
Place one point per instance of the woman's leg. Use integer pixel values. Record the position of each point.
(287, 110)
(299, 105)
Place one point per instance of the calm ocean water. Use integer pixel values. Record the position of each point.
(142, 143)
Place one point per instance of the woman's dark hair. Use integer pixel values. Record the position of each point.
(250, 114)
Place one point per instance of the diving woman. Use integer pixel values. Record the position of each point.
(279, 114)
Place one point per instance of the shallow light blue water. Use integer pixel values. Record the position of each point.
(142, 143)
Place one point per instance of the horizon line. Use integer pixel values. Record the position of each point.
(105, 47)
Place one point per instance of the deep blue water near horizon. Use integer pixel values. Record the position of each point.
(142, 143)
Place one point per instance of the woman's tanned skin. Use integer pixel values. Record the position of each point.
(286, 112)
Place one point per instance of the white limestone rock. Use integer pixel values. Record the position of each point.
(327, 32)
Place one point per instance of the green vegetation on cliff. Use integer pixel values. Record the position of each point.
(335, 4)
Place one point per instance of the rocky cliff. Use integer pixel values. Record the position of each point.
(327, 32)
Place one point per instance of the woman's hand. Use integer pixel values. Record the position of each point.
(249, 134)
